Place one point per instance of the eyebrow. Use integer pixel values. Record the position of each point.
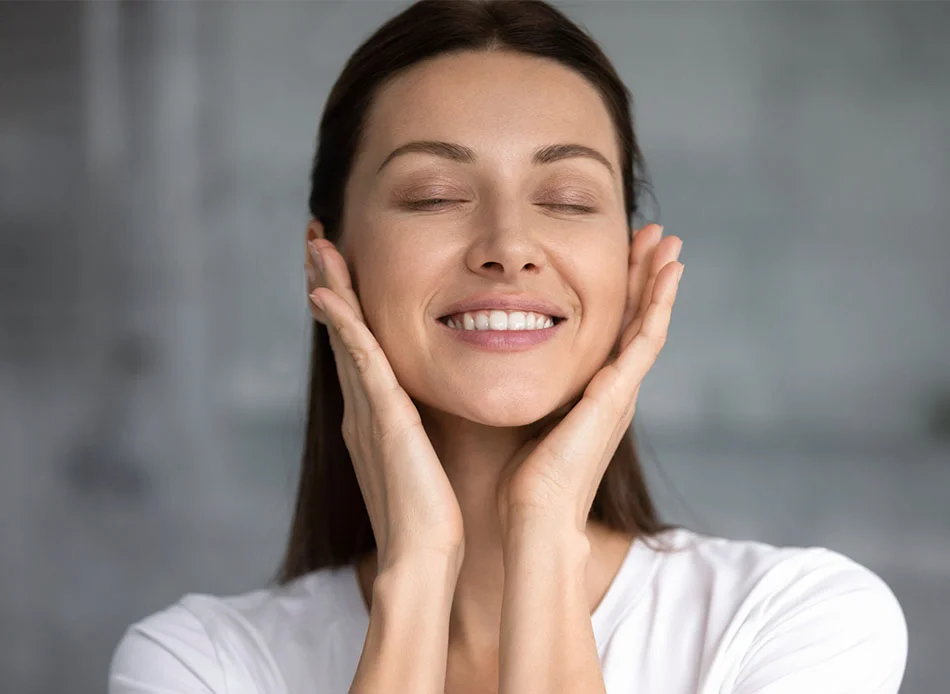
(465, 155)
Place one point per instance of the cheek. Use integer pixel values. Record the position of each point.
(395, 332)
(393, 287)
(605, 289)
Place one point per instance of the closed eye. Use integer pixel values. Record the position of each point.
(576, 208)
(425, 203)
(428, 204)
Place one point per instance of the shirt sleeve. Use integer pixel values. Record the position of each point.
(837, 629)
(169, 652)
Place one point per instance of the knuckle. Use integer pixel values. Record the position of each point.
(342, 333)
(363, 357)
(336, 340)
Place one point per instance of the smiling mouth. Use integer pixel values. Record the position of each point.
(445, 321)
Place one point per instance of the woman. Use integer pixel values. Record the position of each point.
(471, 516)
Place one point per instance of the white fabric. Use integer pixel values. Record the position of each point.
(711, 616)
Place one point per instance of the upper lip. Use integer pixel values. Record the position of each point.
(505, 302)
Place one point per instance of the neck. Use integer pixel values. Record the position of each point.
(473, 456)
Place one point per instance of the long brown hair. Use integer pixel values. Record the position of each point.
(331, 526)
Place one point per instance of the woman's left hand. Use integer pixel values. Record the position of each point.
(555, 475)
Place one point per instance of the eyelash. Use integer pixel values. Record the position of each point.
(423, 204)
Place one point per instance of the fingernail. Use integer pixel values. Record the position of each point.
(682, 267)
(317, 302)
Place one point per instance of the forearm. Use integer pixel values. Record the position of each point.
(547, 643)
(407, 639)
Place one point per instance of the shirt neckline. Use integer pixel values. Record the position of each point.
(624, 590)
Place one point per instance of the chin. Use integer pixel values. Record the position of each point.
(508, 405)
(513, 416)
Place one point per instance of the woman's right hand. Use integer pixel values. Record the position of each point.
(411, 504)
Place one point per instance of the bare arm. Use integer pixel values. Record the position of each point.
(547, 641)
(407, 640)
(412, 507)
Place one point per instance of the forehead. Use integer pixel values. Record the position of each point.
(500, 104)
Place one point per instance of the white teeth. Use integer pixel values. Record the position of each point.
(516, 321)
(500, 320)
(497, 320)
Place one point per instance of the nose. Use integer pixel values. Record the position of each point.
(506, 251)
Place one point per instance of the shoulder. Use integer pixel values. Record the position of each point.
(794, 618)
(209, 644)
(758, 569)
(171, 649)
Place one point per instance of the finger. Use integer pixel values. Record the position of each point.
(640, 354)
(365, 356)
(313, 281)
(335, 273)
(314, 231)
(353, 396)
(315, 265)
(349, 381)
(313, 276)
(641, 252)
(665, 252)
(349, 386)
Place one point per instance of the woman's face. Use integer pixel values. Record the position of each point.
(501, 233)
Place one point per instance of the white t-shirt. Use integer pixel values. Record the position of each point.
(713, 616)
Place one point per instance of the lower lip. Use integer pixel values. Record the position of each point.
(503, 340)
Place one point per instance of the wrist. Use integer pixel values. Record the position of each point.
(531, 519)
(546, 536)
(424, 578)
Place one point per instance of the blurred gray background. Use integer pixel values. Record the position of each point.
(154, 329)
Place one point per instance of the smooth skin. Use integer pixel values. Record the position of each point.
(478, 468)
